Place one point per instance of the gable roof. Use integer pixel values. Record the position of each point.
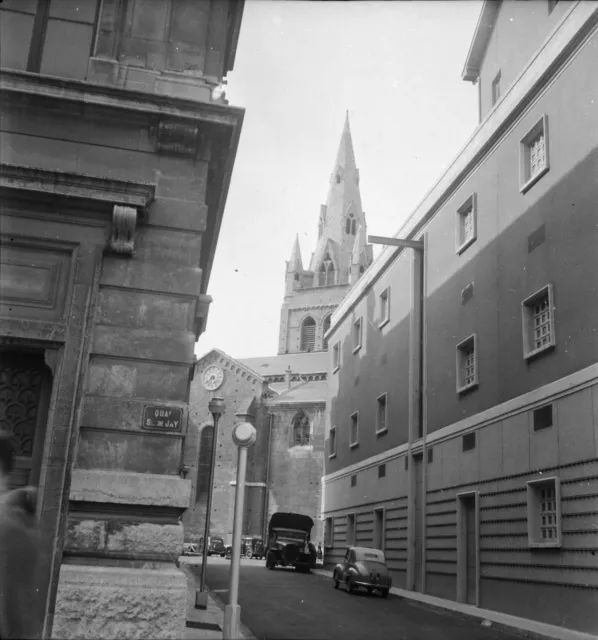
(305, 393)
(217, 354)
(301, 363)
(481, 37)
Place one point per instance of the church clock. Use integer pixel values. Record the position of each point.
(212, 377)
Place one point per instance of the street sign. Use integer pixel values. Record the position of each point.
(160, 417)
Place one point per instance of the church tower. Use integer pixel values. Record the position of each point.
(341, 256)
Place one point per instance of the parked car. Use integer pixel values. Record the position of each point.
(216, 546)
(251, 547)
(363, 568)
(288, 542)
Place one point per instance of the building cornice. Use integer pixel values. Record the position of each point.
(569, 36)
(106, 96)
(76, 185)
(480, 40)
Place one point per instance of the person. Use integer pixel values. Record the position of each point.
(19, 552)
(319, 554)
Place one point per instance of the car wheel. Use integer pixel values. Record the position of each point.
(249, 554)
(384, 593)
(222, 555)
(335, 580)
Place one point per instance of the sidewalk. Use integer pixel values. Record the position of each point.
(205, 624)
(503, 621)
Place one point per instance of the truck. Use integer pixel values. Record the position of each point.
(289, 542)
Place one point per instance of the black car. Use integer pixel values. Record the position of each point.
(288, 542)
(251, 547)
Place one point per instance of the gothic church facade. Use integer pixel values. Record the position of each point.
(284, 396)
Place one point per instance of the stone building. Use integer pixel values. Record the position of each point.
(283, 395)
(462, 428)
(117, 152)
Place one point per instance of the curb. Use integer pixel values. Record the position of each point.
(245, 630)
(522, 627)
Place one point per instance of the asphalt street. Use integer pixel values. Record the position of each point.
(285, 605)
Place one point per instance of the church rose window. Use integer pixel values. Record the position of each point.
(308, 334)
(301, 429)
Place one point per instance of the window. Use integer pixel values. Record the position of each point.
(326, 275)
(357, 327)
(301, 429)
(338, 178)
(381, 425)
(325, 328)
(430, 455)
(467, 366)
(379, 529)
(544, 513)
(534, 162)
(543, 417)
(354, 430)
(467, 229)
(496, 89)
(308, 334)
(329, 533)
(332, 442)
(51, 37)
(350, 528)
(538, 322)
(351, 225)
(336, 357)
(384, 307)
(382, 471)
(468, 442)
(353, 480)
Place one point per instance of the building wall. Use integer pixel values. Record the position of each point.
(526, 239)
(118, 327)
(296, 471)
(380, 366)
(239, 386)
(526, 24)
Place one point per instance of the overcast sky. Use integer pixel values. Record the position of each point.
(396, 67)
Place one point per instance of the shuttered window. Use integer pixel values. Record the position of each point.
(308, 334)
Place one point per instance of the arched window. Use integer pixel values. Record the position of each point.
(353, 226)
(325, 329)
(361, 269)
(300, 429)
(326, 274)
(348, 224)
(308, 334)
(338, 178)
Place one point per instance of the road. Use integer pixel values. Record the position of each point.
(284, 605)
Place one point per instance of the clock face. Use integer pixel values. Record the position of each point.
(212, 377)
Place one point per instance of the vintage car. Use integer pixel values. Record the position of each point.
(288, 542)
(251, 547)
(365, 568)
(216, 546)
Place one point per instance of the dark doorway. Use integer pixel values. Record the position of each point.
(418, 529)
(467, 561)
(25, 390)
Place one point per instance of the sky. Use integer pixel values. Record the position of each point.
(396, 67)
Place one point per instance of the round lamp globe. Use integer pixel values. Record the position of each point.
(244, 434)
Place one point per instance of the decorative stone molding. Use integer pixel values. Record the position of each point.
(121, 487)
(73, 185)
(178, 138)
(51, 359)
(124, 223)
(201, 313)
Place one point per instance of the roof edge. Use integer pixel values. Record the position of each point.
(479, 42)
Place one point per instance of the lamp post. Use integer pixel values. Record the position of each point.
(244, 435)
(216, 407)
(417, 401)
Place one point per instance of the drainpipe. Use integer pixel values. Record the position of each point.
(267, 487)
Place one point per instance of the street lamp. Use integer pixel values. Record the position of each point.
(216, 408)
(417, 415)
(244, 435)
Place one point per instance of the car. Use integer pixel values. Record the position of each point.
(363, 568)
(215, 546)
(289, 542)
(251, 547)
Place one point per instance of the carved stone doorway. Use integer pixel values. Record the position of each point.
(25, 390)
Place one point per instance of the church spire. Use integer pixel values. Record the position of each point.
(345, 157)
(295, 263)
